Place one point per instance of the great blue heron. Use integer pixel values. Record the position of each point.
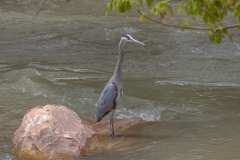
(110, 94)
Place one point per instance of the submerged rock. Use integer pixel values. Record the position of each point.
(56, 132)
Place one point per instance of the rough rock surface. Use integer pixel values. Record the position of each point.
(56, 132)
(51, 131)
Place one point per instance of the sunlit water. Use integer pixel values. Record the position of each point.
(186, 88)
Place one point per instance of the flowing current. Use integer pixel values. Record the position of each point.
(185, 87)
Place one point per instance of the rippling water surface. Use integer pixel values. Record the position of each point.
(185, 87)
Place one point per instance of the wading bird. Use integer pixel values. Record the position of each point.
(110, 94)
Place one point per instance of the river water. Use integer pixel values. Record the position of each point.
(186, 88)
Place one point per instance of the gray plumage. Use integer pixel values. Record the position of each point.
(107, 100)
(110, 94)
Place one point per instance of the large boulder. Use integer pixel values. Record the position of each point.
(56, 132)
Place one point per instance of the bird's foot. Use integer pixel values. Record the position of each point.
(112, 134)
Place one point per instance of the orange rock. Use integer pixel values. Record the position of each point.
(56, 132)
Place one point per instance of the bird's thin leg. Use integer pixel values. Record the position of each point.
(111, 123)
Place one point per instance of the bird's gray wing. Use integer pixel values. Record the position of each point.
(107, 100)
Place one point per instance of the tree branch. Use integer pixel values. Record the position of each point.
(233, 26)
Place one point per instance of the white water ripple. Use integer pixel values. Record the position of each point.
(208, 84)
(146, 115)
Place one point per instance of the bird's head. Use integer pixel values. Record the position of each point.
(128, 38)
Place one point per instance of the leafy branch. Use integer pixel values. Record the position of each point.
(212, 13)
(233, 26)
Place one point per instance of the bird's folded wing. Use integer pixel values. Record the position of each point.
(107, 100)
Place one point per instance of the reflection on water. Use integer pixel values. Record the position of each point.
(185, 88)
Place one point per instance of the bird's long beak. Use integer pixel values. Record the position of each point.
(138, 42)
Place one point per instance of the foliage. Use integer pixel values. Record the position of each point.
(212, 13)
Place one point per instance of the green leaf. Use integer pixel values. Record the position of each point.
(237, 10)
(215, 36)
(141, 18)
(109, 7)
(181, 8)
(124, 5)
(161, 9)
(149, 3)
(139, 2)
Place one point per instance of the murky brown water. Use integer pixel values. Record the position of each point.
(187, 88)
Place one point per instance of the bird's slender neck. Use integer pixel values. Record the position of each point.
(118, 68)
